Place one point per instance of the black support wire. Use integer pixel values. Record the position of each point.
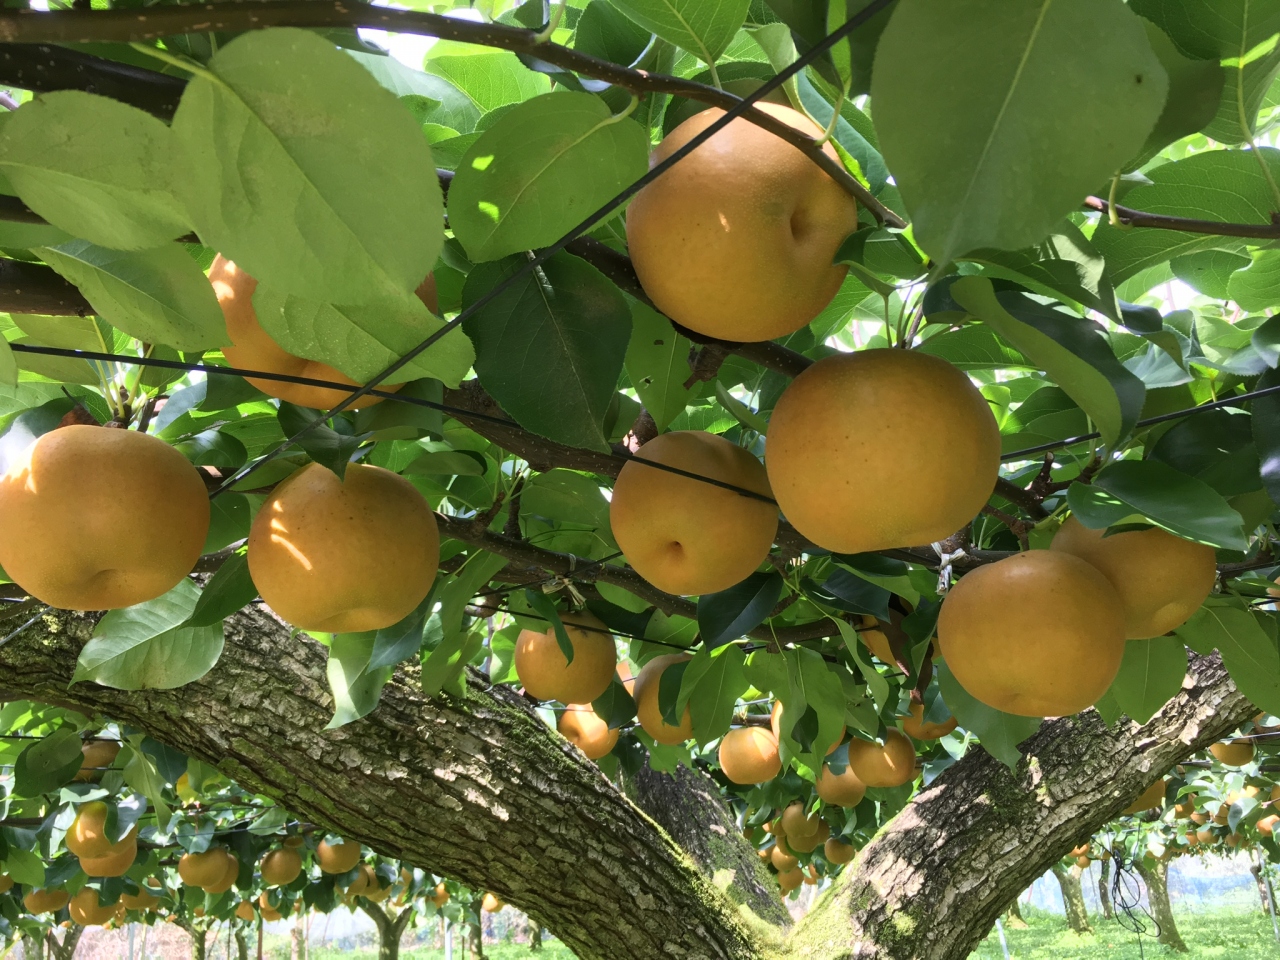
(542, 256)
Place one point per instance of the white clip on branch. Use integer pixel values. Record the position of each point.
(945, 560)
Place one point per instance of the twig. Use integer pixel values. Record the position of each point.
(1137, 218)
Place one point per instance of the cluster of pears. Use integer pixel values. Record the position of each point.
(90, 840)
(796, 831)
(1042, 633)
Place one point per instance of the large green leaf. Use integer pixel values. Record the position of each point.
(1257, 286)
(158, 295)
(48, 764)
(1266, 434)
(1226, 186)
(703, 27)
(306, 172)
(1213, 29)
(725, 616)
(360, 664)
(364, 339)
(550, 348)
(1150, 673)
(1000, 733)
(1065, 266)
(489, 79)
(1248, 651)
(1195, 92)
(713, 681)
(1148, 490)
(657, 364)
(811, 685)
(997, 117)
(540, 170)
(1072, 350)
(98, 168)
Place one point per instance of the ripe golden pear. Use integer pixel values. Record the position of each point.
(837, 851)
(685, 536)
(87, 835)
(40, 902)
(253, 349)
(1266, 826)
(737, 240)
(546, 673)
(441, 895)
(118, 858)
(875, 635)
(879, 449)
(230, 872)
(1153, 796)
(790, 879)
(1080, 850)
(344, 556)
(268, 912)
(841, 789)
(364, 879)
(337, 857)
(280, 867)
(798, 824)
(6, 883)
(98, 755)
(203, 869)
(586, 731)
(244, 910)
(491, 903)
(1038, 634)
(781, 860)
(749, 755)
(889, 765)
(1233, 753)
(775, 724)
(647, 710)
(144, 899)
(86, 911)
(1161, 579)
(810, 843)
(95, 518)
(915, 726)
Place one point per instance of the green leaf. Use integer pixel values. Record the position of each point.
(1065, 266)
(703, 27)
(95, 167)
(445, 661)
(847, 591)
(363, 339)
(550, 348)
(1248, 652)
(228, 590)
(730, 614)
(1216, 446)
(657, 363)
(323, 443)
(488, 79)
(1266, 433)
(1151, 672)
(48, 763)
(25, 867)
(615, 706)
(1000, 733)
(713, 682)
(604, 32)
(812, 685)
(1226, 186)
(142, 775)
(1247, 87)
(1156, 492)
(8, 364)
(306, 172)
(1257, 286)
(545, 608)
(1072, 350)
(1213, 29)
(356, 688)
(158, 295)
(149, 646)
(997, 117)
(1195, 90)
(540, 170)
(875, 681)
(1210, 271)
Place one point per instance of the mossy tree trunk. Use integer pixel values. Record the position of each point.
(390, 928)
(518, 811)
(1104, 890)
(1073, 897)
(1155, 875)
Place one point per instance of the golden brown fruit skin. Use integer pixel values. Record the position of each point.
(441, 895)
(118, 858)
(1233, 753)
(142, 900)
(1153, 796)
(837, 851)
(841, 789)
(688, 537)
(883, 766)
(280, 867)
(253, 349)
(781, 860)
(749, 755)
(547, 675)
(1038, 634)
(647, 710)
(586, 731)
(880, 449)
(203, 869)
(85, 910)
(491, 903)
(6, 883)
(45, 901)
(87, 835)
(244, 910)
(736, 241)
(915, 726)
(98, 754)
(344, 556)
(1161, 579)
(338, 857)
(94, 518)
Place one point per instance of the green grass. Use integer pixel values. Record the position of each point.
(1219, 934)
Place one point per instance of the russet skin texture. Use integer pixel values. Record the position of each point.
(736, 241)
(96, 518)
(1038, 634)
(841, 789)
(1233, 753)
(684, 536)
(343, 556)
(253, 349)
(646, 696)
(883, 766)
(749, 755)
(1161, 579)
(880, 449)
(544, 672)
(586, 731)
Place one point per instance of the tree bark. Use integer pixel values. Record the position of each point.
(1013, 916)
(32, 947)
(390, 929)
(1155, 874)
(517, 810)
(535, 934)
(65, 948)
(1073, 897)
(475, 929)
(1104, 890)
(242, 944)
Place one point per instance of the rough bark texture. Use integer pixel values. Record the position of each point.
(65, 948)
(931, 885)
(1013, 916)
(480, 790)
(390, 929)
(689, 807)
(475, 930)
(242, 945)
(1155, 874)
(1104, 890)
(1073, 897)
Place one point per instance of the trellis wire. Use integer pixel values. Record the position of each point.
(1126, 897)
(542, 256)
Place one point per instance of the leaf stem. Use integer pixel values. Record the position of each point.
(1111, 204)
(182, 63)
(553, 24)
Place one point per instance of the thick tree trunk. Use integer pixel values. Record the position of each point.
(242, 945)
(1013, 916)
(535, 934)
(1104, 890)
(1155, 874)
(475, 930)
(390, 929)
(1256, 870)
(65, 948)
(1073, 897)
(516, 810)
